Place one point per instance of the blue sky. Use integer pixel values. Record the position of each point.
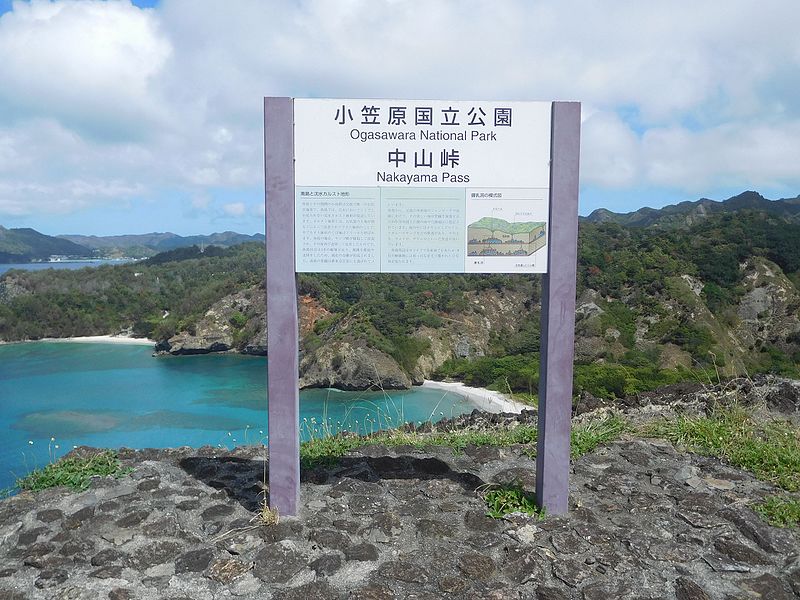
(120, 117)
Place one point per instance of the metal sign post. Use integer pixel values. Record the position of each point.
(421, 186)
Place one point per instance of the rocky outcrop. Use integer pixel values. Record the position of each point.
(214, 332)
(646, 521)
(351, 366)
(343, 357)
(468, 333)
(10, 288)
(237, 323)
(767, 316)
(769, 310)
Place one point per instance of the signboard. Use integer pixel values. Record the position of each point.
(421, 186)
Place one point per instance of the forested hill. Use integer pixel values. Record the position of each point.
(148, 244)
(689, 213)
(655, 305)
(25, 245)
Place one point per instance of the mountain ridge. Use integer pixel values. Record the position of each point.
(24, 245)
(688, 212)
(160, 242)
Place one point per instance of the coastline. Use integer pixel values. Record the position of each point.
(94, 339)
(483, 399)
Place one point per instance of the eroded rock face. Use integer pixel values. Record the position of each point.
(10, 289)
(338, 352)
(351, 366)
(769, 309)
(237, 323)
(220, 327)
(342, 358)
(467, 334)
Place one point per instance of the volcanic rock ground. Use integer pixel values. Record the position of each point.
(646, 521)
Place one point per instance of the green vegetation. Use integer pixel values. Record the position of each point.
(636, 272)
(618, 381)
(325, 450)
(504, 500)
(494, 224)
(24, 245)
(769, 449)
(520, 374)
(75, 473)
(157, 297)
(781, 511)
(586, 437)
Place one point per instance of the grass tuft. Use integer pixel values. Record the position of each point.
(588, 436)
(325, 450)
(504, 500)
(781, 511)
(75, 473)
(266, 516)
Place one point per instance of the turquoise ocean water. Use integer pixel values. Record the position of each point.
(113, 395)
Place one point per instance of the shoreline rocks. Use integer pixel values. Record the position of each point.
(645, 521)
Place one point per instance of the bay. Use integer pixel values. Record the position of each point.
(66, 264)
(57, 395)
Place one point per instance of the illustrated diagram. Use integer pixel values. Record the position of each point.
(490, 236)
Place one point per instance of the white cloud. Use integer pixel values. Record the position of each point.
(609, 151)
(234, 209)
(743, 154)
(133, 102)
(91, 65)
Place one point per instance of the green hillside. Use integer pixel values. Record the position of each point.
(25, 245)
(148, 244)
(714, 299)
(687, 213)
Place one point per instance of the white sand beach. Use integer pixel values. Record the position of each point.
(104, 339)
(484, 399)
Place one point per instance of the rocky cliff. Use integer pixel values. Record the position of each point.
(337, 353)
(766, 314)
(343, 356)
(236, 322)
(673, 325)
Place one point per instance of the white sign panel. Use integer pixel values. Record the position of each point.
(421, 186)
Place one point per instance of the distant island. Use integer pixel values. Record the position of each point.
(25, 245)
